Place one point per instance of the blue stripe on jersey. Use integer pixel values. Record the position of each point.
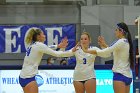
(52, 46)
(33, 43)
(113, 43)
(126, 41)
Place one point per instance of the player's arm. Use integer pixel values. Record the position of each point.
(62, 45)
(45, 49)
(54, 47)
(101, 42)
(89, 51)
(59, 53)
(111, 48)
(105, 52)
(105, 55)
(94, 52)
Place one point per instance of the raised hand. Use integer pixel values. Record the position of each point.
(83, 48)
(75, 48)
(101, 42)
(63, 43)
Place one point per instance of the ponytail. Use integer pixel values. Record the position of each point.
(32, 35)
(131, 56)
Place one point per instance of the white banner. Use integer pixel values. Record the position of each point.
(54, 81)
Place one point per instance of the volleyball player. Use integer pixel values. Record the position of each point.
(84, 74)
(34, 53)
(123, 58)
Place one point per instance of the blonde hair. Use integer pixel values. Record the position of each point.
(32, 35)
(86, 33)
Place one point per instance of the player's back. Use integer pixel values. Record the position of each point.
(32, 60)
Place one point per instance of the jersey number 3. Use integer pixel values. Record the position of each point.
(85, 61)
(28, 51)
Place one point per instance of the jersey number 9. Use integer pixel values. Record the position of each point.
(28, 51)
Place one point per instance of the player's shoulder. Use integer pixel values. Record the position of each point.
(123, 40)
(39, 44)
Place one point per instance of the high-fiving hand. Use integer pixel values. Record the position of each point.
(75, 48)
(63, 43)
(101, 42)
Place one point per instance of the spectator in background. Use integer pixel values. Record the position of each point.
(72, 61)
(50, 61)
(63, 62)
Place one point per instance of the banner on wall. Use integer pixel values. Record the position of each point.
(55, 81)
(12, 37)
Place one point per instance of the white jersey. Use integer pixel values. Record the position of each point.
(84, 69)
(120, 51)
(33, 58)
